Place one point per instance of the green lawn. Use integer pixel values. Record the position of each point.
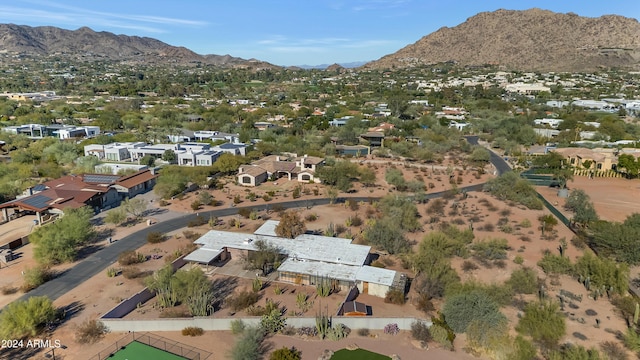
(359, 354)
(140, 351)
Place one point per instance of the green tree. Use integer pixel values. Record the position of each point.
(575, 352)
(265, 257)
(169, 156)
(116, 216)
(59, 241)
(544, 323)
(630, 165)
(387, 235)
(509, 186)
(163, 284)
(147, 160)
(523, 281)
(340, 175)
(394, 177)
(290, 225)
(228, 163)
(134, 207)
(480, 155)
(20, 318)
(582, 207)
(462, 309)
(367, 176)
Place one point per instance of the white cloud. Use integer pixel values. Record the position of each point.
(60, 14)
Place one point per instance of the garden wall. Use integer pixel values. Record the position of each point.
(207, 323)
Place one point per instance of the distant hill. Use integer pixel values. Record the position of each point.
(532, 39)
(88, 44)
(348, 65)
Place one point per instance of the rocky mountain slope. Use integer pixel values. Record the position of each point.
(89, 44)
(532, 39)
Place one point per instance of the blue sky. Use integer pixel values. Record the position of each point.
(284, 32)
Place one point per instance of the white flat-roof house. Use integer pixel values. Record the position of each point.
(552, 123)
(309, 258)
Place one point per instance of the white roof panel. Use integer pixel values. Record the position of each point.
(374, 275)
(203, 255)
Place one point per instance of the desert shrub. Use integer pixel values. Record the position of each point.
(487, 227)
(424, 303)
(395, 297)
(603, 272)
(631, 339)
(237, 326)
(509, 186)
(442, 333)
(468, 265)
(130, 257)
(250, 346)
(309, 331)
(356, 221)
(192, 331)
(113, 272)
(526, 223)
(191, 235)
(436, 206)
(555, 264)
(391, 329)
(420, 331)
(338, 332)
(523, 281)
(311, 217)
(273, 322)
(363, 332)
(613, 351)
(461, 309)
(289, 330)
(195, 205)
(571, 351)
(173, 313)
(242, 300)
(36, 276)
(245, 212)
(155, 237)
(543, 322)
(505, 212)
(132, 272)
(518, 260)
(493, 249)
(90, 331)
(8, 290)
(198, 221)
(266, 197)
(286, 353)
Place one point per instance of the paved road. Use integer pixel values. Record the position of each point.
(495, 159)
(103, 258)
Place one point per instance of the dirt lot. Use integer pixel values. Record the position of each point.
(613, 198)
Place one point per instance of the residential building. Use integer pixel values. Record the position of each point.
(309, 258)
(98, 191)
(275, 166)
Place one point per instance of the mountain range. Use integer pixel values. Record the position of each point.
(532, 39)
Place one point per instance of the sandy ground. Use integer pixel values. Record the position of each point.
(99, 294)
(613, 198)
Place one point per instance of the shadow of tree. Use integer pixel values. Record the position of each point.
(222, 288)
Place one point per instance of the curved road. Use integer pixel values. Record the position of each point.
(103, 258)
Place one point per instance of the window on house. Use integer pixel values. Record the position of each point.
(599, 166)
(573, 161)
(246, 180)
(305, 177)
